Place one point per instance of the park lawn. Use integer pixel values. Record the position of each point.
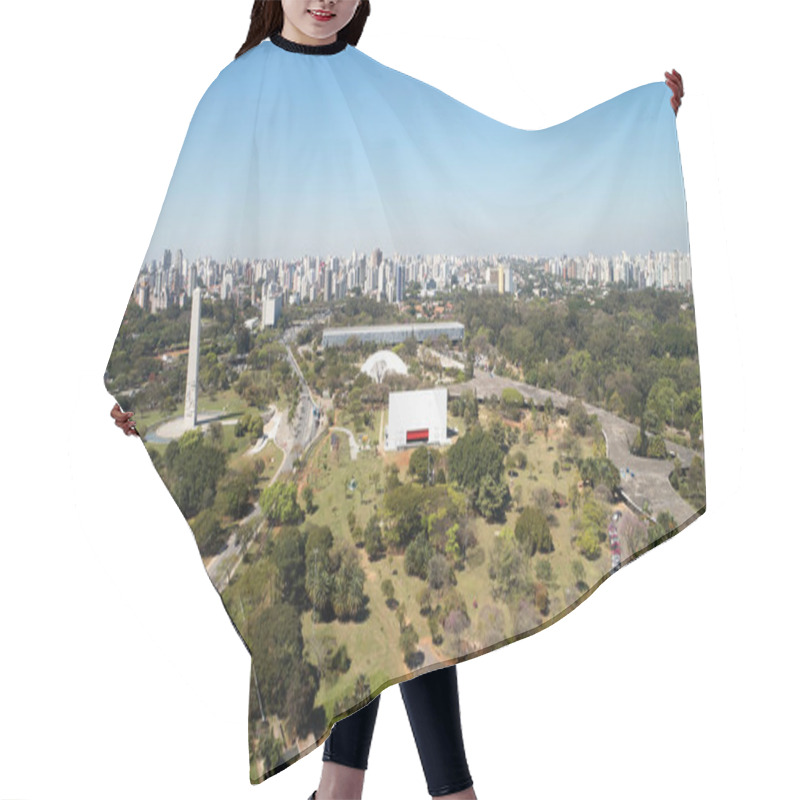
(241, 457)
(371, 647)
(273, 458)
(329, 473)
(373, 644)
(272, 454)
(234, 445)
(150, 420)
(540, 473)
(228, 401)
(371, 431)
(374, 431)
(541, 455)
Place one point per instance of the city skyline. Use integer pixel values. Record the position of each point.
(313, 280)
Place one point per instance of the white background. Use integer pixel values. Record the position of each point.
(120, 673)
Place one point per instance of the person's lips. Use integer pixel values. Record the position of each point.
(321, 15)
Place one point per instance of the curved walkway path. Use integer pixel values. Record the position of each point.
(353, 442)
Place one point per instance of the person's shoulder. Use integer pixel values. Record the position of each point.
(380, 71)
(359, 56)
(239, 74)
(246, 64)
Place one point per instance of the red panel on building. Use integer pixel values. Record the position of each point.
(417, 436)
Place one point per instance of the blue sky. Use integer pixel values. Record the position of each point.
(290, 154)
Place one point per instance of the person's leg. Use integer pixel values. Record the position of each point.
(434, 713)
(344, 759)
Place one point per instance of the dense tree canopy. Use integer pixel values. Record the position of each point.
(192, 469)
(402, 507)
(533, 531)
(597, 471)
(690, 482)
(275, 638)
(613, 352)
(279, 503)
(473, 456)
(509, 570)
(288, 555)
(347, 595)
(234, 492)
(422, 465)
(493, 498)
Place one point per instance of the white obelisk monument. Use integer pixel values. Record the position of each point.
(190, 406)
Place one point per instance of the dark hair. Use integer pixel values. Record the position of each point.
(266, 18)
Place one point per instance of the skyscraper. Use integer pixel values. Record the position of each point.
(399, 283)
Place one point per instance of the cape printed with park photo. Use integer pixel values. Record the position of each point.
(418, 381)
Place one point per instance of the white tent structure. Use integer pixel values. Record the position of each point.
(418, 417)
(383, 362)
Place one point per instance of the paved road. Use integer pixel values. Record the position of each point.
(293, 438)
(642, 479)
(305, 423)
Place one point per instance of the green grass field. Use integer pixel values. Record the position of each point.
(330, 472)
(341, 485)
(373, 644)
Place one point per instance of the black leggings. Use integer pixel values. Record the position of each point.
(432, 706)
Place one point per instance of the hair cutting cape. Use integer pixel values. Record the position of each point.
(419, 381)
